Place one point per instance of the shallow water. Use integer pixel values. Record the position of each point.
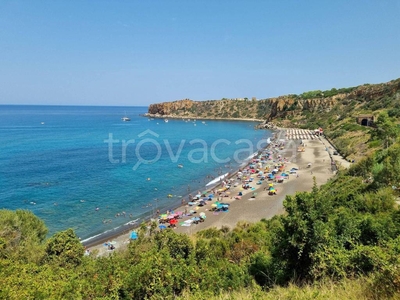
(79, 167)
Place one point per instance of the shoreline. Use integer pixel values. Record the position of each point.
(175, 117)
(126, 228)
(251, 209)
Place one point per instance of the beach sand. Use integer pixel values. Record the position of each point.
(316, 152)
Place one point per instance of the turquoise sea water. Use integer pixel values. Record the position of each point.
(79, 167)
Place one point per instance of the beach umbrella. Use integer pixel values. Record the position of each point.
(202, 214)
(173, 222)
(162, 227)
(171, 217)
(211, 196)
(195, 219)
(134, 235)
(271, 184)
(192, 211)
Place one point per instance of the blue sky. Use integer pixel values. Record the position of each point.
(137, 52)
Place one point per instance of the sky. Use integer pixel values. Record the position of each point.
(138, 52)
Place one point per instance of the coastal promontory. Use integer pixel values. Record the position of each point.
(283, 107)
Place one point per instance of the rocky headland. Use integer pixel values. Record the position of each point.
(282, 107)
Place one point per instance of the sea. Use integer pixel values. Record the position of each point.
(82, 167)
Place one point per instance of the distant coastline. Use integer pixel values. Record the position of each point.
(158, 116)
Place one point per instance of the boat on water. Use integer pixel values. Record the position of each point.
(125, 118)
(180, 166)
(166, 120)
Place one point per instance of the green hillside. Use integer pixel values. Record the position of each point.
(339, 241)
(333, 238)
(334, 110)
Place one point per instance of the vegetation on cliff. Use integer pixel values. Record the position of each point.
(333, 238)
(334, 110)
(341, 240)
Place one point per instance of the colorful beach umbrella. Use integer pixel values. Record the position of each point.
(134, 235)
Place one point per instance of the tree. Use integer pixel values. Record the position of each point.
(64, 249)
(21, 233)
(386, 129)
(304, 230)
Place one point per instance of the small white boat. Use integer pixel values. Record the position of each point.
(166, 120)
(180, 166)
(125, 118)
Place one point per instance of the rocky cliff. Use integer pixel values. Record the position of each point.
(283, 107)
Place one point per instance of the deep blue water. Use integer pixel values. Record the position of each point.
(63, 162)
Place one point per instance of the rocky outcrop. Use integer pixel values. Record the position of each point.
(271, 108)
(167, 108)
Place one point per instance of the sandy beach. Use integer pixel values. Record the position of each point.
(313, 160)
